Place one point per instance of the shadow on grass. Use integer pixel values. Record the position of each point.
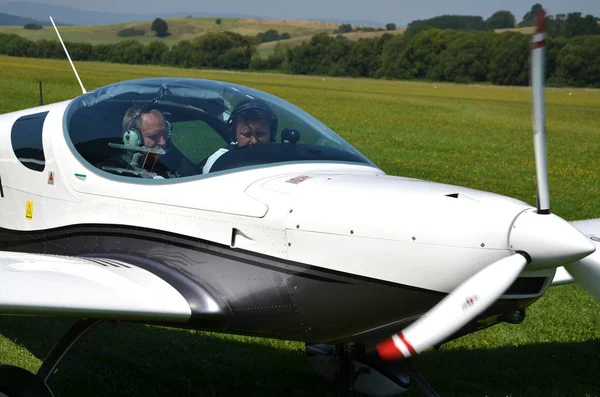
(549, 369)
(139, 360)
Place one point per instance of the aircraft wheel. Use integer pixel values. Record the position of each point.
(18, 382)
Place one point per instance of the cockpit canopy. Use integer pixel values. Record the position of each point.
(173, 128)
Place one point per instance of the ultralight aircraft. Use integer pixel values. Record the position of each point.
(274, 240)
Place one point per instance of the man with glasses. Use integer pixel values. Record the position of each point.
(252, 122)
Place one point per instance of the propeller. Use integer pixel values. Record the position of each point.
(539, 239)
(540, 242)
(454, 311)
(538, 54)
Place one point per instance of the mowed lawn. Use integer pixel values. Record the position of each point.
(474, 136)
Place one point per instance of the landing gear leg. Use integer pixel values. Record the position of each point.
(16, 381)
(56, 354)
(352, 369)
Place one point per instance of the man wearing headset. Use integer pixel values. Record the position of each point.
(145, 136)
(150, 130)
(252, 122)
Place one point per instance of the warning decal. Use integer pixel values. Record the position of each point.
(51, 178)
(29, 210)
(298, 179)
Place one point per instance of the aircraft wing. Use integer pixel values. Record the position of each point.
(33, 284)
(591, 228)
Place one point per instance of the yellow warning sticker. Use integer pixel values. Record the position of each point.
(29, 210)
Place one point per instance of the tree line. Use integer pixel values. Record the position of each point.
(560, 25)
(432, 54)
(447, 55)
(226, 50)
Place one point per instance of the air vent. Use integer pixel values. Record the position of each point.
(108, 262)
(463, 196)
(526, 286)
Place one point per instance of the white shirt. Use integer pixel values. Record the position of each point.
(212, 159)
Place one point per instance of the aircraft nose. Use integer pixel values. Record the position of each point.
(549, 240)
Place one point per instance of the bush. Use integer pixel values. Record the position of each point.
(218, 21)
(390, 26)
(344, 28)
(33, 26)
(129, 32)
(272, 35)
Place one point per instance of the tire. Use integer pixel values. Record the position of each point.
(18, 382)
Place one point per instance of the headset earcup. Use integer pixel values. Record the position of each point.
(132, 137)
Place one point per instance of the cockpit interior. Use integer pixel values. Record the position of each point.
(197, 126)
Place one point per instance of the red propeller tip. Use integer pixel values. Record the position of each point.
(388, 350)
(540, 21)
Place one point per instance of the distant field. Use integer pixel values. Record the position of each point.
(477, 136)
(525, 30)
(180, 28)
(190, 28)
(267, 49)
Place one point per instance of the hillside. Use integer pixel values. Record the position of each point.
(180, 29)
(8, 19)
(190, 28)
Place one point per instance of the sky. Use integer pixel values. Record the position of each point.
(400, 12)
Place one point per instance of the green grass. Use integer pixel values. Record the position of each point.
(475, 136)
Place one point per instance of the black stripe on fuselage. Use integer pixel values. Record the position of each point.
(257, 294)
(17, 238)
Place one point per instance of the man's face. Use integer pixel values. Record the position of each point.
(251, 133)
(154, 130)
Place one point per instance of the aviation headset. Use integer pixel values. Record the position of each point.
(252, 105)
(132, 135)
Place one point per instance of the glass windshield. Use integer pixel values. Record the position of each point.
(173, 128)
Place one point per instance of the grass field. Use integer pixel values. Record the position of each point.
(475, 136)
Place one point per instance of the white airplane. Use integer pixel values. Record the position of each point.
(277, 240)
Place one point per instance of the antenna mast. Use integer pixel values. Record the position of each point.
(68, 57)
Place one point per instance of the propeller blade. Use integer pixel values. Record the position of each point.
(462, 305)
(538, 53)
(587, 271)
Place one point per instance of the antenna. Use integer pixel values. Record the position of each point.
(68, 57)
